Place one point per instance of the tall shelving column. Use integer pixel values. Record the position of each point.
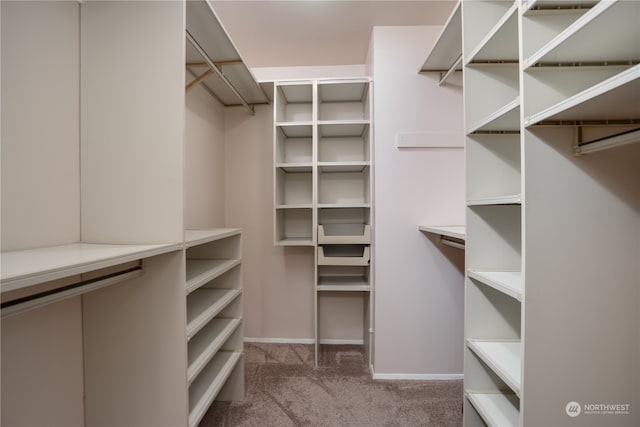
(493, 294)
(293, 157)
(323, 194)
(344, 194)
(580, 86)
(214, 318)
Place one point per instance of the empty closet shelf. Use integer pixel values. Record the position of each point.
(344, 234)
(343, 284)
(343, 256)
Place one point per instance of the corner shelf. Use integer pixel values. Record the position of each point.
(445, 56)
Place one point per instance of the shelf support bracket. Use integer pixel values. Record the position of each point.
(198, 79)
(212, 65)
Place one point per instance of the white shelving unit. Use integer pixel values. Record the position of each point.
(445, 57)
(214, 318)
(322, 181)
(543, 86)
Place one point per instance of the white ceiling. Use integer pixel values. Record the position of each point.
(317, 32)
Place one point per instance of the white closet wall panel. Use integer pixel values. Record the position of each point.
(419, 285)
(40, 122)
(597, 232)
(204, 180)
(132, 183)
(42, 362)
(132, 335)
(278, 281)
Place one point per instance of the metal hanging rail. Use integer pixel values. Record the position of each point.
(212, 65)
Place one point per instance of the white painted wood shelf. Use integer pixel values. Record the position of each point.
(514, 199)
(507, 282)
(341, 234)
(343, 284)
(454, 231)
(497, 410)
(214, 317)
(21, 269)
(208, 384)
(445, 56)
(499, 44)
(204, 345)
(506, 118)
(503, 357)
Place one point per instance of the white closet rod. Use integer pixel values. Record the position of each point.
(453, 243)
(617, 140)
(217, 70)
(30, 302)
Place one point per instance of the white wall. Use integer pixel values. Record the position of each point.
(419, 284)
(278, 281)
(204, 172)
(40, 124)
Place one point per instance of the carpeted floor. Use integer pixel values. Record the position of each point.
(284, 389)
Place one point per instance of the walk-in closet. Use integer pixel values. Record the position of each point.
(314, 212)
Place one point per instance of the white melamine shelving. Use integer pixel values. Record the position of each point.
(454, 231)
(574, 93)
(214, 317)
(508, 282)
(503, 357)
(445, 56)
(21, 269)
(322, 180)
(497, 410)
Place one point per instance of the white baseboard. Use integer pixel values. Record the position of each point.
(341, 342)
(421, 377)
(280, 340)
(301, 341)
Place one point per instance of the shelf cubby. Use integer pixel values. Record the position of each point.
(503, 357)
(347, 255)
(582, 93)
(294, 226)
(501, 42)
(346, 233)
(203, 271)
(337, 187)
(210, 382)
(542, 26)
(583, 40)
(206, 343)
(294, 186)
(340, 101)
(493, 97)
(484, 20)
(497, 229)
(205, 304)
(294, 102)
(294, 145)
(493, 166)
(343, 143)
(343, 279)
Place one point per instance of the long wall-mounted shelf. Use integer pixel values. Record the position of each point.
(213, 60)
(445, 56)
(451, 235)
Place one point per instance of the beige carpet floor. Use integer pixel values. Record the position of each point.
(284, 389)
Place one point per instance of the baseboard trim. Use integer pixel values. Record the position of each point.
(301, 341)
(280, 340)
(341, 342)
(421, 377)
